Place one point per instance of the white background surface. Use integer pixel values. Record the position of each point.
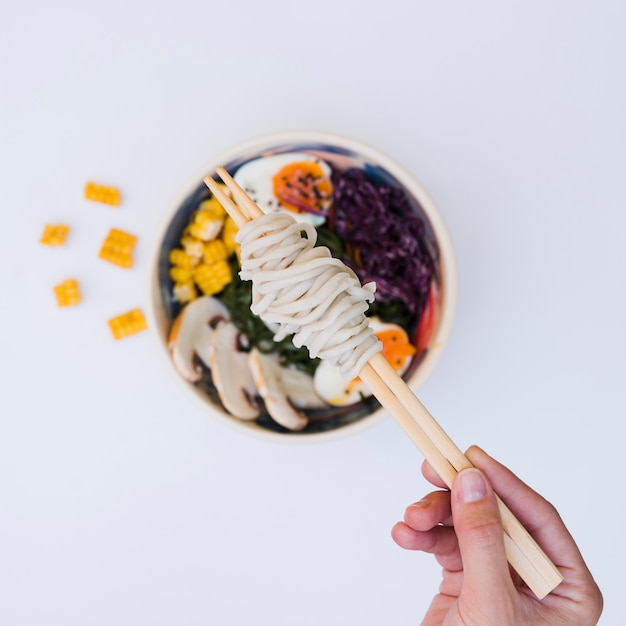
(121, 502)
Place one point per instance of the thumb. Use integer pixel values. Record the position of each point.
(480, 534)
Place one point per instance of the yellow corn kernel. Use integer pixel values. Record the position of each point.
(213, 208)
(192, 246)
(229, 232)
(127, 324)
(117, 248)
(67, 293)
(208, 213)
(209, 217)
(102, 193)
(185, 292)
(205, 228)
(180, 258)
(54, 234)
(214, 251)
(212, 278)
(181, 274)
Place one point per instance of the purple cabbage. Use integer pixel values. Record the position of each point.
(386, 239)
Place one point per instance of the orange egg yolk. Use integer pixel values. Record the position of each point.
(302, 186)
(396, 346)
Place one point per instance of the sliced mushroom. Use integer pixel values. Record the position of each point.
(300, 390)
(203, 344)
(267, 373)
(231, 373)
(191, 334)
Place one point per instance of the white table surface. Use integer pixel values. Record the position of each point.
(121, 502)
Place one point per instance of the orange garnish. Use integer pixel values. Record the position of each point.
(302, 186)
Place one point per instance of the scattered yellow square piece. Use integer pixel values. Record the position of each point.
(127, 324)
(54, 234)
(117, 248)
(102, 193)
(67, 293)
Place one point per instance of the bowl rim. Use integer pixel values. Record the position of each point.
(449, 277)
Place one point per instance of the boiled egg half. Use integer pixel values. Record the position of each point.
(330, 385)
(294, 182)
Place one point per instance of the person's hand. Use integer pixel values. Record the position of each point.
(463, 529)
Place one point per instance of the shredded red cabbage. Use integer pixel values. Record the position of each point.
(385, 236)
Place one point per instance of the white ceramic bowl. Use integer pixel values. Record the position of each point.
(162, 309)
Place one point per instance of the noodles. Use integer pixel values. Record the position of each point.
(307, 292)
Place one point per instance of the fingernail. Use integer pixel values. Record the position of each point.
(421, 504)
(471, 485)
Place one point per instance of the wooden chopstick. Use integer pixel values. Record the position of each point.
(240, 218)
(241, 197)
(523, 553)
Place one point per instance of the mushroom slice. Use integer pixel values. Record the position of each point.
(267, 373)
(191, 333)
(203, 344)
(231, 375)
(299, 388)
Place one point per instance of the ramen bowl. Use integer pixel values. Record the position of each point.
(193, 325)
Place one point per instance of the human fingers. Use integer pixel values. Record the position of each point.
(535, 513)
(432, 510)
(544, 523)
(422, 521)
(431, 476)
(427, 527)
(451, 582)
(439, 541)
(478, 527)
(438, 610)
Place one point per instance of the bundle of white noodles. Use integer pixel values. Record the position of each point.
(307, 292)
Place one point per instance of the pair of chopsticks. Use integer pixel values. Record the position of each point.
(523, 553)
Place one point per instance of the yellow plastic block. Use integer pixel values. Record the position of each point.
(127, 324)
(117, 248)
(54, 234)
(67, 293)
(102, 193)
